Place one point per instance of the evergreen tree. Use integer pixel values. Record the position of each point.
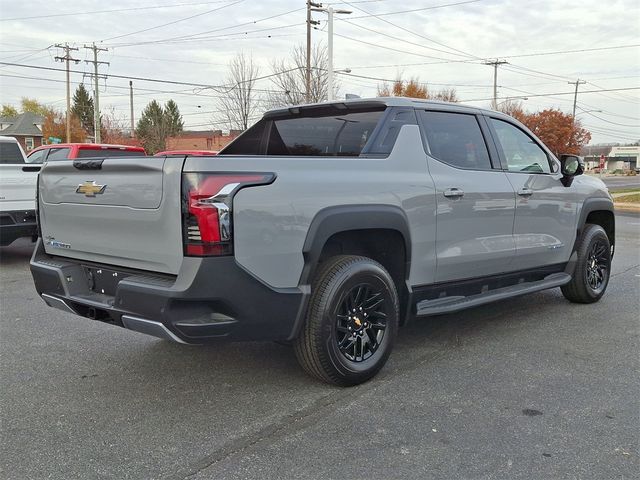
(83, 108)
(174, 121)
(157, 123)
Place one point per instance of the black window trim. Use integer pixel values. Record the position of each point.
(381, 127)
(427, 147)
(554, 165)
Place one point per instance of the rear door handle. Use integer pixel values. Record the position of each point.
(525, 192)
(453, 193)
(31, 169)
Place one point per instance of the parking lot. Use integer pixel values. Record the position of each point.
(529, 388)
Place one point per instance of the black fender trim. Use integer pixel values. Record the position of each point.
(593, 205)
(344, 218)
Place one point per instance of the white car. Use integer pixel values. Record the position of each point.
(18, 181)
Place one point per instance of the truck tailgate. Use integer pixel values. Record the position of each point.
(118, 211)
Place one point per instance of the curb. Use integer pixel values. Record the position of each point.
(626, 207)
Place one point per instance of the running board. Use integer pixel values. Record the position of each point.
(455, 303)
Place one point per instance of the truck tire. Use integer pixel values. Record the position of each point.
(593, 267)
(351, 323)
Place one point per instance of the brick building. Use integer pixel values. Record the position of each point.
(26, 128)
(201, 140)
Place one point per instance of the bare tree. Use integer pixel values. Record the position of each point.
(513, 107)
(239, 102)
(446, 95)
(289, 80)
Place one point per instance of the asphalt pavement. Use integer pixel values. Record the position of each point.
(621, 182)
(530, 388)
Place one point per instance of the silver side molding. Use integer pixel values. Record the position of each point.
(149, 327)
(58, 303)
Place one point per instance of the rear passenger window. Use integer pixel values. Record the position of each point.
(312, 132)
(10, 153)
(456, 139)
(58, 154)
(341, 135)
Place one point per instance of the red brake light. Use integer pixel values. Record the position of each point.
(206, 209)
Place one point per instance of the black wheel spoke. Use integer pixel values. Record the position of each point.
(597, 267)
(361, 322)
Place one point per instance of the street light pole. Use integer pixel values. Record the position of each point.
(330, 11)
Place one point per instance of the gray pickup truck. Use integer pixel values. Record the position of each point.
(327, 226)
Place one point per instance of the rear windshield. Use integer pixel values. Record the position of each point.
(10, 153)
(327, 132)
(108, 152)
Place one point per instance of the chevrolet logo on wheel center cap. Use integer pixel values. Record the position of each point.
(90, 188)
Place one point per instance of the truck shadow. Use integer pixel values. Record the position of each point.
(254, 363)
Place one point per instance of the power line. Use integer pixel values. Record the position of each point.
(222, 37)
(364, 42)
(220, 29)
(95, 12)
(556, 93)
(172, 22)
(381, 79)
(613, 123)
(422, 9)
(127, 77)
(459, 52)
(536, 54)
(400, 39)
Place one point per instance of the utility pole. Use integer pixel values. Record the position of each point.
(67, 58)
(495, 64)
(575, 95)
(330, 11)
(96, 91)
(308, 70)
(131, 106)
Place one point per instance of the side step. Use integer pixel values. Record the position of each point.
(455, 303)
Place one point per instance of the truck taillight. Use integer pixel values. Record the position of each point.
(207, 210)
(37, 209)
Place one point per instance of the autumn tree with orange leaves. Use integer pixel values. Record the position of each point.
(414, 89)
(55, 125)
(558, 130)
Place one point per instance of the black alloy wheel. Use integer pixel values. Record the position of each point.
(593, 267)
(352, 321)
(598, 260)
(361, 322)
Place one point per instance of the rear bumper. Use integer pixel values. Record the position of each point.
(17, 224)
(210, 299)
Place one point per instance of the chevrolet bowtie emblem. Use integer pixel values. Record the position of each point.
(90, 189)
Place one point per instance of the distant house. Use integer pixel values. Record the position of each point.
(201, 140)
(26, 128)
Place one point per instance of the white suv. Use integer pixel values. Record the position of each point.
(17, 193)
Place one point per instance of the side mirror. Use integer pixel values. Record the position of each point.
(570, 166)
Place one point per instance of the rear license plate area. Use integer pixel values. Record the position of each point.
(102, 280)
